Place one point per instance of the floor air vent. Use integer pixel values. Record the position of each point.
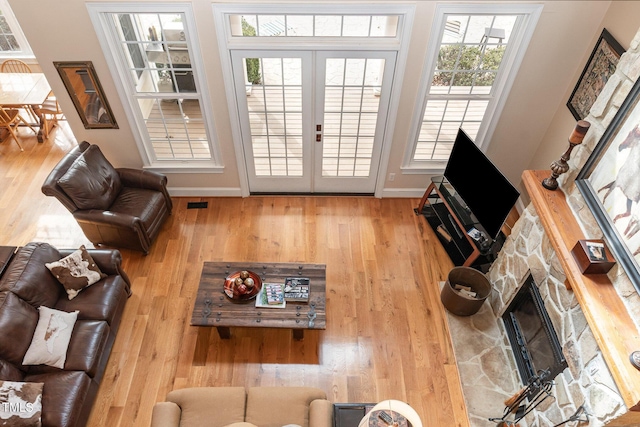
(197, 205)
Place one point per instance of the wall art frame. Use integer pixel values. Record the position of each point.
(610, 186)
(600, 66)
(84, 88)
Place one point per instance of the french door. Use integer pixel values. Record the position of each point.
(312, 121)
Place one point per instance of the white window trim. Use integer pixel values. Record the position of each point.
(400, 43)
(25, 51)
(512, 61)
(222, 12)
(98, 13)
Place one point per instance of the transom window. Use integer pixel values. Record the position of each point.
(314, 25)
(468, 70)
(12, 41)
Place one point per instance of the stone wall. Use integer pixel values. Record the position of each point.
(601, 115)
(587, 381)
(483, 353)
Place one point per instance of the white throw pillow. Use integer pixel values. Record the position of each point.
(51, 338)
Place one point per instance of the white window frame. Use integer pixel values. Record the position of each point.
(511, 61)
(399, 43)
(100, 16)
(25, 49)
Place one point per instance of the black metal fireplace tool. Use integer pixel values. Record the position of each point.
(530, 397)
(580, 416)
(526, 400)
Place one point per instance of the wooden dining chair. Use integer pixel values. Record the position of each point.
(51, 113)
(10, 120)
(15, 66)
(18, 66)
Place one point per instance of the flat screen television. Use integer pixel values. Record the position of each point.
(485, 190)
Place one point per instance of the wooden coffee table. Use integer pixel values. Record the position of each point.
(214, 308)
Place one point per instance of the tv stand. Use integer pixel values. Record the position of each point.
(457, 228)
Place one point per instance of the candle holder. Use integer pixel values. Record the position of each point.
(558, 167)
(561, 165)
(634, 358)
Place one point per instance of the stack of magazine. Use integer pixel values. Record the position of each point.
(276, 295)
(296, 289)
(271, 296)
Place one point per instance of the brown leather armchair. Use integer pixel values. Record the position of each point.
(114, 207)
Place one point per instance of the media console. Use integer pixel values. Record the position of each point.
(459, 231)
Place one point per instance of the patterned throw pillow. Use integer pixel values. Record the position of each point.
(20, 403)
(51, 339)
(76, 271)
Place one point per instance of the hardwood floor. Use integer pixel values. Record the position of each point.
(385, 339)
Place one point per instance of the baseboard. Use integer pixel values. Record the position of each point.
(204, 192)
(400, 193)
(410, 193)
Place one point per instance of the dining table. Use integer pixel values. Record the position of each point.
(27, 91)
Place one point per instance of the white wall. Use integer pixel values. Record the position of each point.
(563, 39)
(621, 20)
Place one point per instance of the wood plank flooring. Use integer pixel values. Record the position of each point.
(385, 339)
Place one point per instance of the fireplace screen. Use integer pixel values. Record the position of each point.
(534, 341)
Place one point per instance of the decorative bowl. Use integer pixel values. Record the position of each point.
(231, 291)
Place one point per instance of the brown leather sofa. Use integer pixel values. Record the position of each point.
(235, 407)
(26, 284)
(123, 208)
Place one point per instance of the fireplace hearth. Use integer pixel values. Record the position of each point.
(535, 344)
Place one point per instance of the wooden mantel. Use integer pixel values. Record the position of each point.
(610, 322)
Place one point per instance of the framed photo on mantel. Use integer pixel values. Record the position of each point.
(601, 65)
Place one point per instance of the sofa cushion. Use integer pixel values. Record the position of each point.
(18, 321)
(63, 397)
(142, 203)
(91, 182)
(51, 338)
(278, 406)
(9, 372)
(28, 277)
(104, 300)
(210, 406)
(20, 403)
(76, 271)
(86, 348)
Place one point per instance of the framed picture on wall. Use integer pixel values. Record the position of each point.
(86, 92)
(611, 188)
(601, 65)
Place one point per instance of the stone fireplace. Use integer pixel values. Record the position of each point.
(598, 376)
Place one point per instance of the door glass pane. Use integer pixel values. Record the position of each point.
(351, 102)
(275, 116)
